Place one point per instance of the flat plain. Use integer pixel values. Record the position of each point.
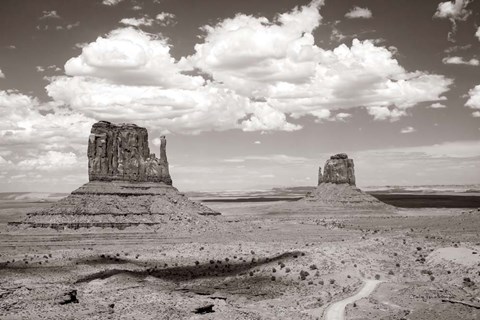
(253, 262)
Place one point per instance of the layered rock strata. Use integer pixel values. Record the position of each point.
(128, 187)
(336, 192)
(338, 169)
(121, 152)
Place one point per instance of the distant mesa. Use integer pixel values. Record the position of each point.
(336, 187)
(128, 186)
(335, 193)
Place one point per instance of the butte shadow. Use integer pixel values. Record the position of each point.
(128, 186)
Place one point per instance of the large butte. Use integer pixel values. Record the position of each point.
(128, 186)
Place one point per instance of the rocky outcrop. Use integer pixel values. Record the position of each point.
(129, 187)
(121, 152)
(338, 169)
(336, 193)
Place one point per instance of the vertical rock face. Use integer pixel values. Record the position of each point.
(121, 152)
(338, 169)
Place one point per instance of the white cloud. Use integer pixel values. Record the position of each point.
(72, 25)
(477, 34)
(476, 114)
(257, 142)
(137, 22)
(40, 137)
(165, 18)
(130, 56)
(111, 2)
(460, 60)
(342, 116)
(50, 161)
(408, 130)
(137, 7)
(206, 108)
(453, 10)
(456, 9)
(43, 69)
(50, 14)
(437, 106)
(279, 61)
(426, 164)
(357, 12)
(474, 98)
(259, 73)
(271, 158)
(2, 75)
(23, 120)
(457, 48)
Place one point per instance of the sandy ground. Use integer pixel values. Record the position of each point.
(251, 265)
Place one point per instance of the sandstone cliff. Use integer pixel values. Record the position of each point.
(128, 187)
(338, 169)
(121, 152)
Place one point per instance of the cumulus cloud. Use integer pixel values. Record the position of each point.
(165, 18)
(437, 106)
(137, 22)
(477, 34)
(50, 15)
(358, 12)
(473, 101)
(386, 113)
(454, 11)
(40, 137)
(279, 61)
(51, 160)
(206, 108)
(111, 2)
(2, 75)
(24, 120)
(408, 130)
(130, 56)
(258, 74)
(460, 60)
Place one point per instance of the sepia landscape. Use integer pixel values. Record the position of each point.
(251, 160)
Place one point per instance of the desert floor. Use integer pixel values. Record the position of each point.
(249, 263)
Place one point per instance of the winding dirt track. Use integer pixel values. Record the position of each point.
(337, 310)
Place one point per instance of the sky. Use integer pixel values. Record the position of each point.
(250, 94)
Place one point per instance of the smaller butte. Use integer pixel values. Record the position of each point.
(336, 192)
